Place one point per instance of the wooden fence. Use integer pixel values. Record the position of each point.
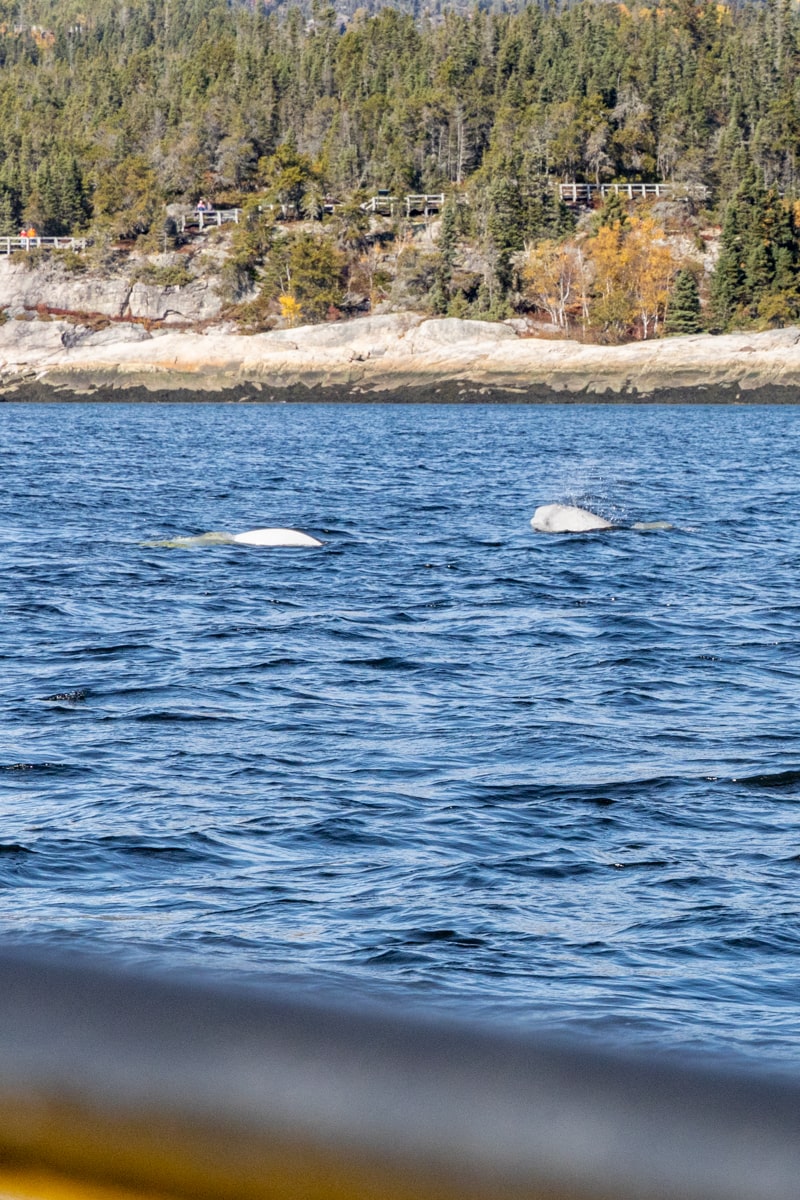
(204, 218)
(586, 193)
(8, 245)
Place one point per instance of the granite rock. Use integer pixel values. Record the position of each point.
(401, 355)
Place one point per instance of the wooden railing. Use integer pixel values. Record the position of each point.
(585, 193)
(425, 203)
(193, 1090)
(8, 245)
(383, 204)
(203, 218)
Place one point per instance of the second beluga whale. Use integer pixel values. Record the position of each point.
(569, 518)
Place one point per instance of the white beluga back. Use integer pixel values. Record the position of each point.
(250, 537)
(567, 518)
(274, 537)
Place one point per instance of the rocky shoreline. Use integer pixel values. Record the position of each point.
(396, 357)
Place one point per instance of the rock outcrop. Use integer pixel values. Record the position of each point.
(395, 356)
(117, 297)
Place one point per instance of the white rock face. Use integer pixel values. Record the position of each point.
(194, 302)
(29, 342)
(452, 331)
(389, 354)
(111, 335)
(51, 285)
(351, 335)
(114, 296)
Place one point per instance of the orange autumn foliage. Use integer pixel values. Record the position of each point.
(633, 267)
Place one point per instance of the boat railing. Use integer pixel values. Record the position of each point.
(119, 1084)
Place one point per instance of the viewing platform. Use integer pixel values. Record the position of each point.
(8, 245)
(204, 218)
(382, 204)
(585, 194)
(423, 203)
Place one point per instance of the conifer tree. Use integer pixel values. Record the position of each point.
(8, 219)
(70, 195)
(683, 310)
(758, 255)
(727, 282)
(448, 239)
(741, 262)
(613, 211)
(505, 226)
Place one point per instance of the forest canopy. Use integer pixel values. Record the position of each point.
(108, 107)
(111, 110)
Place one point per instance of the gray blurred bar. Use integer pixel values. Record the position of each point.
(191, 1089)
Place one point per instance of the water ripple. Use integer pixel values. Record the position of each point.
(553, 780)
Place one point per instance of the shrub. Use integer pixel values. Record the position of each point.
(169, 275)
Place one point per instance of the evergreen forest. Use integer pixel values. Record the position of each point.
(112, 110)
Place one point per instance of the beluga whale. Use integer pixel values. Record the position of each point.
(567, 518)
(275, 537)
(250, 537)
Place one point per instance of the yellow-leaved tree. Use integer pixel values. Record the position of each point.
(633, 266)
(612, 307)
(554, 274)
(652, 266)
(291, 309)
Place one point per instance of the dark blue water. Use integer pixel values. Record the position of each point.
(549, 779)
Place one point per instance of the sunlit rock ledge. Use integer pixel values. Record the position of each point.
(392, 357)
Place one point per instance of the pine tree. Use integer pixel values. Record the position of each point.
(683, 310)
(613, 212)
(46, 214)
(8, 219)
(779, 225)
(758, 255)
(70, 194)
(448, 240)
(505, 226)
(739, 252)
